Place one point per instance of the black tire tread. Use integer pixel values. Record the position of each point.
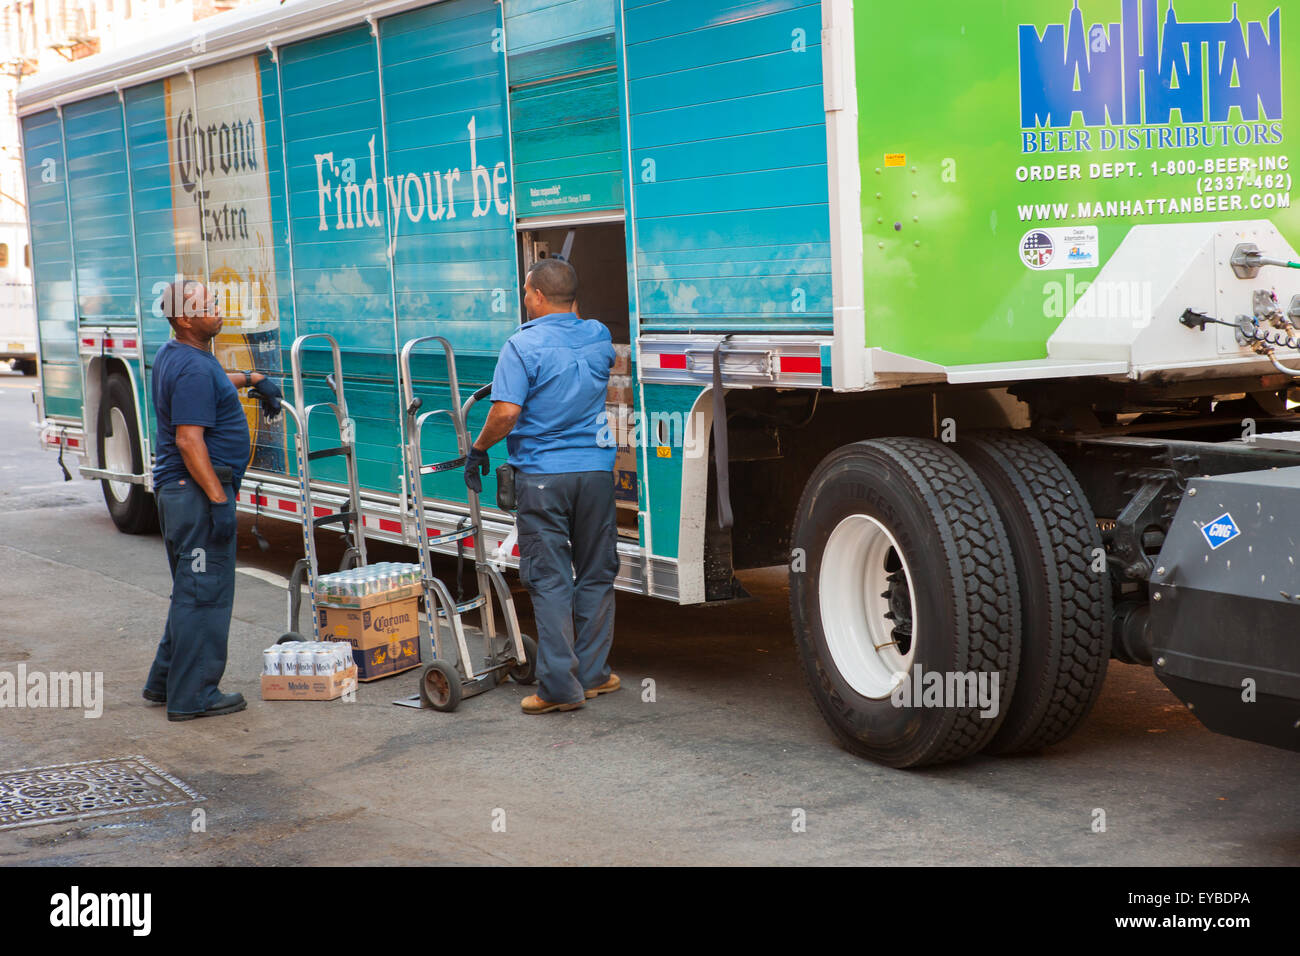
(140, 515)
(1080, 615)
(980, 564)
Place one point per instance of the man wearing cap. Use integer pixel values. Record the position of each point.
(548, 402)
(202, 450)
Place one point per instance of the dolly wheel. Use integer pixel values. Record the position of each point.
(289, 638)
(526, 673)
(440, 686)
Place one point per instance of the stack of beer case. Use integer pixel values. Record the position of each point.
(383, 628)
(619, 406)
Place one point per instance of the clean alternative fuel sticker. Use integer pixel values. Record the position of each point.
(1076, 247)
(1220, 531)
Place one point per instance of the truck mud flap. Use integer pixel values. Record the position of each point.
(1225, 605)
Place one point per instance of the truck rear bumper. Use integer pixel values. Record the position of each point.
(1225, 611)
(70, 435)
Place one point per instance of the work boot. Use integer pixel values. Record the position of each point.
(608, 687)
(532, 704)
(226, 704)
(153, 696)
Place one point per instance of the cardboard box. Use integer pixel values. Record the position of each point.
(385, 637)
(331, 687)
(619, 391)
(622, 360)
(625, 488)
(385, 660)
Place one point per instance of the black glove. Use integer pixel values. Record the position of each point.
(223, 521)
(476, 464)
(269, 394)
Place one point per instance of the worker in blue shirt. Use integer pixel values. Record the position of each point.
(548, 402)
(202, 451)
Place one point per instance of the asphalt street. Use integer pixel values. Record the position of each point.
(712, 771)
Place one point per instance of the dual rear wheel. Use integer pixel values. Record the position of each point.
(130, 505)
(944, 600)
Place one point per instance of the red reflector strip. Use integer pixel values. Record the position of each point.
(433, 532)
(88, 342)
(128, 343)
(318, 512)
(110, 343)
(515, 551)
(259, 500)
(73, 443)
(672, 361)
(387, 524)
(801, 364)
(286, 505)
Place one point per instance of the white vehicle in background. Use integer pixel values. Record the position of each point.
(17, 313)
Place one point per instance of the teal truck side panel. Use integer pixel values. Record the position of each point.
(56, 311)
(342, 283)
(564, 107)
(274, 137)
(728, 138)
(445, 89)
(101, 222)
(151, 199)
(663, 475)
(425, 174)
(366, 183)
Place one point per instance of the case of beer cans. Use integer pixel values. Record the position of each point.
(376, 610)
(308, 670)
(366, 587)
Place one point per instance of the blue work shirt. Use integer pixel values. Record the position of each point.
(191, 388)
(557, 368)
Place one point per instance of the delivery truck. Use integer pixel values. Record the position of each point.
(980, 318)
(17, 317)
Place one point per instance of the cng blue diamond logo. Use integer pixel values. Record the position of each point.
(1220, 531)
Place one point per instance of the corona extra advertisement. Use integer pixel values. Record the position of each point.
(221, 210)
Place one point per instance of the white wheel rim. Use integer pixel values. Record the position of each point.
(117, 453)
(851, 583)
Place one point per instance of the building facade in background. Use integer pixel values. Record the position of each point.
(37, 35)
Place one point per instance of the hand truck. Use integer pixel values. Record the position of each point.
(306, 568)
(444, 682)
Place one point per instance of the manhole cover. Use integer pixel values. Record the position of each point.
(93, 788)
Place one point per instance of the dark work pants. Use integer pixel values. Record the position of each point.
(568, 559)
(191, 656)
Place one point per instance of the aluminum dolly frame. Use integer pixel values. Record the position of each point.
(305, 570)
(443, 684)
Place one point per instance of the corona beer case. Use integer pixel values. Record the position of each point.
(385, 637)
(625, 488)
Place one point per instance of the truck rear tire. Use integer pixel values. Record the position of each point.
(1065, 604)
(901, 568)
(131, 507)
